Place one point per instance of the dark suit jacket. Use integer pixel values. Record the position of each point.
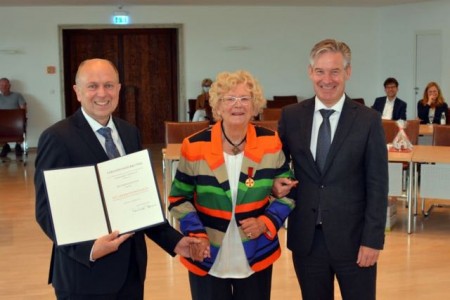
(399, 111)
(353, 188)
(69, 143)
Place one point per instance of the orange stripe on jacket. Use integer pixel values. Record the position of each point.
(195, 152)
(173, 199)
(193, 268)
(259, 266)
(192, 156)
(242, 208)
(214, 212)
(271, 232)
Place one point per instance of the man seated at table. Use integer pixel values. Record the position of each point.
(390, 107)
(10, 100)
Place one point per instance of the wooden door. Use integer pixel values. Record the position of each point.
(147, 60)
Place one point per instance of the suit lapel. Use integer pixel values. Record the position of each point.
(306, 122)
(87, 135)
(125, 137)
(343, 129)
(383, 104)
(395, 108)
(214, 158)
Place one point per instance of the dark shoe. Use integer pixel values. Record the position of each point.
(5, 150)
(18, 149)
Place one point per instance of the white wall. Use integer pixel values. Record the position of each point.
(271, 42)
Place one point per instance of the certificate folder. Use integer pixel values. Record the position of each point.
(89, 202)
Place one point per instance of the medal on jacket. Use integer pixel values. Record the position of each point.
(250, 182)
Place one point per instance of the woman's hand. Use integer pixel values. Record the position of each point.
(253, 227)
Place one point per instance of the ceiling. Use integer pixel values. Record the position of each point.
(360, 3)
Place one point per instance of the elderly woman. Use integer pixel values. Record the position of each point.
(431, 107)
(221, 194)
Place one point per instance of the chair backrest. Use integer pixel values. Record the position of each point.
(280, 101)
(390, 130)
(412, 131)
(12, 125)
(441, 135)
(270, 114)
(359, 100)
(175, 132)
(209, 114)
(191, 106)
(271, 124)
(448, 116)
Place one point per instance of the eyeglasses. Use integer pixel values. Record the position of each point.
(232, 100)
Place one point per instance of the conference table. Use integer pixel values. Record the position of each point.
(426, 134)
(426, 129)
(434, 164)
(396, 160)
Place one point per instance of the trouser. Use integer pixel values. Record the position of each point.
(255, 287)
(316, 273)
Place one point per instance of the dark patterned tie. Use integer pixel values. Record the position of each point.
(323, 145)
(324, 138)
(111, 149)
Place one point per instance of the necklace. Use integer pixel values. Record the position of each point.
(235, 149)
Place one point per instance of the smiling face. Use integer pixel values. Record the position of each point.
(391, 91)
(97, 88)
(432, 93)
(329, 76)
(237, 112)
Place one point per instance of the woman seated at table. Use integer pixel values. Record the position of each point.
(221, 194)
(432, 105)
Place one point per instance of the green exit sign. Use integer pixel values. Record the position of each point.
(121, 20)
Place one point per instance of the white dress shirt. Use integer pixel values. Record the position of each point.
(388, 109)
(115, 135)
(317, 121)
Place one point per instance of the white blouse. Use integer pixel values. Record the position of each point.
(231, 261)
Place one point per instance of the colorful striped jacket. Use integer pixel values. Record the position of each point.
(200, 196)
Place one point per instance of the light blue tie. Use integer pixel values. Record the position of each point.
(111, 149)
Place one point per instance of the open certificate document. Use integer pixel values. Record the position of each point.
(89, 202)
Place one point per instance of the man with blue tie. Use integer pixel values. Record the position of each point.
(390, 107)
(113, 266)
(339, 155)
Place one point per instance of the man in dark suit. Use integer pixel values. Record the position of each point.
(390, 107)
(337, 226)
(113, 266)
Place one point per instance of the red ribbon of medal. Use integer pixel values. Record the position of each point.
(250, 182)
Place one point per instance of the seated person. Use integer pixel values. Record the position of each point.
(431, 107)
(202, 105)
(10, 100)
(390, 107)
